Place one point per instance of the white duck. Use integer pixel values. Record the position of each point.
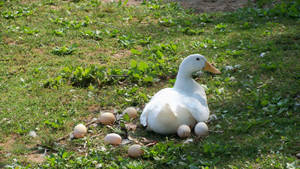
(185, 103)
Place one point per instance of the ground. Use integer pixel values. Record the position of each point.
(213, 5)
(64, 62)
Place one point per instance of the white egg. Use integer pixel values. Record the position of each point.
(183, 131)
(201, 129)
(79, 131)
(131, 111)
(113, 139)
(107, 118)
(135, 151)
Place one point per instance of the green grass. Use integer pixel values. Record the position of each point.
(59, 58)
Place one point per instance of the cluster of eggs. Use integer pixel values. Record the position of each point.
(200, 130)
(135, 150)
(107, 118)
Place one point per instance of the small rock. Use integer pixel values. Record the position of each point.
(130, 126)
(32, 134)
(212, 117)
(189, 140)
(125, 141)
(298, 155)
(262, 54)
(228, 67)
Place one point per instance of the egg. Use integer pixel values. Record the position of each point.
(107, 118)
(183, 131)
(131, 111)
(201, 129)
(135, 151)
(79, 131)
(113, 139)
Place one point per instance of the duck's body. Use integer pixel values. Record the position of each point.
(185, 103)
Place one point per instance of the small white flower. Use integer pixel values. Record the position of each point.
(32, 134)
(291, 165)
(125, 141)
(199, 73)
(90, 94)
(99, 165)
(228, 67)
(189, 140)
(102, 148)
(237, 66)
(262, 54)
(221, 90)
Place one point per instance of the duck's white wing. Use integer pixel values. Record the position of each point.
(197, 104)
(198, 108)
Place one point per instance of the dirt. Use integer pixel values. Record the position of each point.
(129, 2)
(122, 53)
(7, 145)
(213, 5)
(36, 158)
(202, 5)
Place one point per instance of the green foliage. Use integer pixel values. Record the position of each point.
(56, 124)
(125, 54)
(190, 31)
(71, 23)
(126, 41)
(145, 41)
(11, 14)
(59, 32)
(112, 33)
(30, 31)
(167, 22)
(290, 8)
(53, 82)
(64, 50)
(96, 35)
(221, 27)
(139, 72)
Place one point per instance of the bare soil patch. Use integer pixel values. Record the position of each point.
(122, 53)
(130, 2)
(36, 158)
(8, 144)
(213, 5)
(201, 5)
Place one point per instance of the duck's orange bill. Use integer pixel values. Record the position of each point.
(210, 68)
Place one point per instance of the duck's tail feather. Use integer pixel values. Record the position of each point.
(166, 113)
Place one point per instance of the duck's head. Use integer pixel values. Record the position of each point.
(197, 62)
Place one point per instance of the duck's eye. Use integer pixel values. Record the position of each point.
(197, 58)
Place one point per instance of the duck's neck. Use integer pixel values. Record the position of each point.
(185, 82)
